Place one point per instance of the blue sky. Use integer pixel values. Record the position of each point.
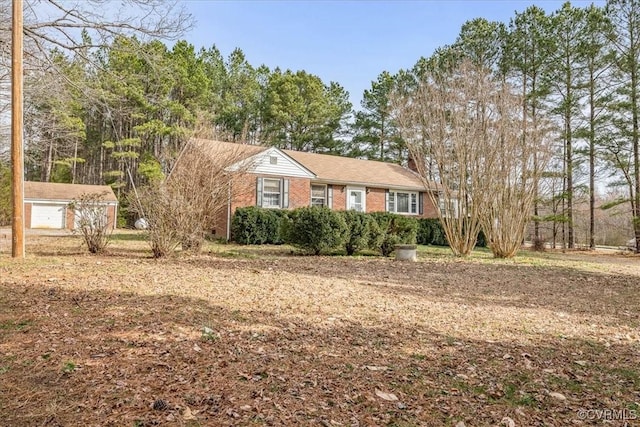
(350, 42)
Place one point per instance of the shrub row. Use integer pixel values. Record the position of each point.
(257, 226)
(317, 230)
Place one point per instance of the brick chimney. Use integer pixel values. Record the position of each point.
(415, 165)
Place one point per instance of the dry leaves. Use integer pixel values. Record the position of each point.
(386, 396)
(279, 340)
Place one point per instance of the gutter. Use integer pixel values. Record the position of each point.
(229, 212)
(368, 184)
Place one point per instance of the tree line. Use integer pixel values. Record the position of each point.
(121, 113)
(116, 107)
(576, 67)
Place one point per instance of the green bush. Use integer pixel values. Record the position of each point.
(481, 241)
(438, 238)
(257, 226)
(390, 230)
(425, 232)
(315, 229)
(358, 231)
(430, 232)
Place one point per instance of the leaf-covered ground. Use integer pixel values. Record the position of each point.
(258, 336)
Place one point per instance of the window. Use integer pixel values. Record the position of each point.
(356, 199)
(402, 202)
(273, 160)
(448, 209)
(272, 193)
(319, 195)
(443, 206)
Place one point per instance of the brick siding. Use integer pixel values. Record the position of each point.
(244, 194)
(376, 200)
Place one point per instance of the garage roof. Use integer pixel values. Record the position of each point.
(64, 192)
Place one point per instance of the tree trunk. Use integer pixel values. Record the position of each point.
(636, 152)
(569, 194)
(48, 166)
(592, 156)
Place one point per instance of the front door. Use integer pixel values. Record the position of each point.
(356, 199)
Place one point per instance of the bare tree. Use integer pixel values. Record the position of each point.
(92, 221)
(79, 25)
(76, 28)
(521, 154)
(155, 204)
(465, 123)
(443, 118)
(183, 208)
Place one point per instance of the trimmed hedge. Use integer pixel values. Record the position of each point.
(315, 229)
(358, 230)
(257, 226)
(390, 230)
(354, 231)
(430, 232)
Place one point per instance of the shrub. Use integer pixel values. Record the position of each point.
(161, 211)
(425, 231)
(481, 241)
(92, 222)
(430, 232)
(358, 231)
(316, 230)
(257, 226)
(391, 230)
(246, 228)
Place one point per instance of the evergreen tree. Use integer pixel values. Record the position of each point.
(624, 148)
(375, 135)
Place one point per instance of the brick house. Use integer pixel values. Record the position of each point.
(46, 204)
(286, 179)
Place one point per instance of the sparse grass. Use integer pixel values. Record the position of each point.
(629, 375)
(209, 335)
(68, 367)
(566, 383)
(297, 340)
(123, 235)
(12, 325)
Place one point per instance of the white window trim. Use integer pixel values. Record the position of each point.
(395, 202)
(270, 192)
(324, 198)
(364, 197)
(455, 207)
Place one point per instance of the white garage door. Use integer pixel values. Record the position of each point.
(47, 216)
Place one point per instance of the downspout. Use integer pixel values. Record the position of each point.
(229, 212)
(115, 216)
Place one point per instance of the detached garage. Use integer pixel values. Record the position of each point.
(46, 203)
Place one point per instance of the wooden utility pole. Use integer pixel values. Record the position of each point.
(17, 157)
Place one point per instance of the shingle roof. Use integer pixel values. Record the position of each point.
(212, 147)
(348, 170)
(334, 169)
(64, 192)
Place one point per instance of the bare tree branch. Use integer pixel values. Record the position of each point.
(465, 123)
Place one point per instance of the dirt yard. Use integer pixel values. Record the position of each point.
(260, 336)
